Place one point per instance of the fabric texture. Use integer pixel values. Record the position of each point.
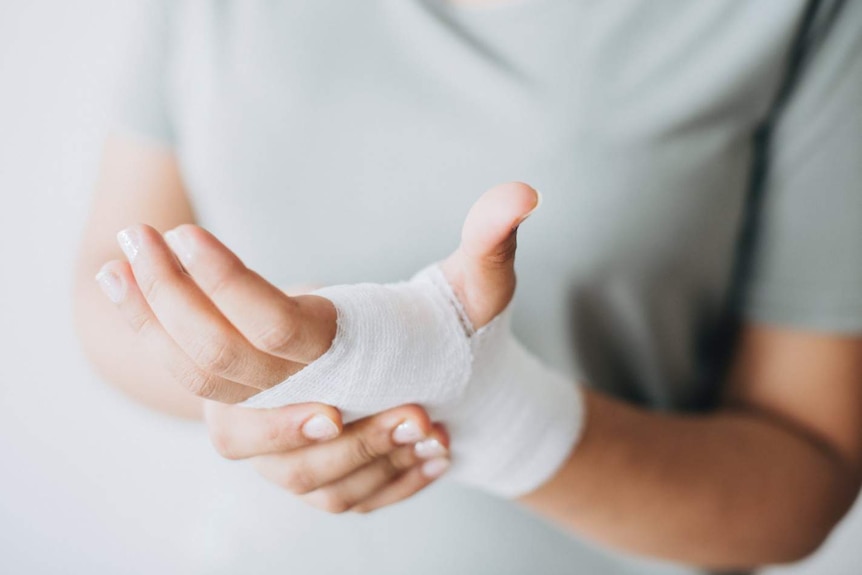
(395, 344)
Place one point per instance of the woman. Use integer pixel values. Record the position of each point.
(693, 263)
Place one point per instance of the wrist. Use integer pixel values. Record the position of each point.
(518, 421)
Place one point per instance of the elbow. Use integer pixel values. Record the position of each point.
(792, 524)
(791, 544)
(810, 537)
(798, 543)
(803, 532)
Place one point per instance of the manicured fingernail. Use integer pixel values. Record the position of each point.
(429, 448)
(130, 242)
(319, 428)
(407, 432)
(530, 213)
(180, 243)
(435, 467)
(112, 284)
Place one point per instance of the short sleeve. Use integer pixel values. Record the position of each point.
(806, 255)
(141, 98)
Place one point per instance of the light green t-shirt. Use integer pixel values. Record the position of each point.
(701, 164)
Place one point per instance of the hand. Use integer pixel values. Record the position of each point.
(373, 462)
(226, 333)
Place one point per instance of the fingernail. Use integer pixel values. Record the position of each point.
(528, 214)
(429, 448)
(180, 243)
(130, 242)
(435, 467)
(319, 427)
(112, 284)
(407, 432)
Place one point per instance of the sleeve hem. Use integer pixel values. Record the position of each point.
(841, 316)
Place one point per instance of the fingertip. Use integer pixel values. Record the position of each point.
(495, 215)
(186, 235)
(411, 412)
(440, 433)
(532, 200)
(332, 413)
(319, 427)
(111, 281)
(140, 229)
(137, 236)
(187, 228)
(200, 236)
(123, 270)
(111, 266)
(434, 468)
(407, 424)
(322, 422)
(523, 198)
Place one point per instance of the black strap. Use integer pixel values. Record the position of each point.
(717, 349)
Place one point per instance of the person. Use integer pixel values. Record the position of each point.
(692, 266)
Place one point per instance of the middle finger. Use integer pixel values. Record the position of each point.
(304, 470)
(295, 328)
(345, 493)
(192, 320)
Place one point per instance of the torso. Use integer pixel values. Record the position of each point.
(341, 142)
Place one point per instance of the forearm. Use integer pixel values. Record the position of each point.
(732, 489)
(138, 182)
(114, 351)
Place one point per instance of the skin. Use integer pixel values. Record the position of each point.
(761, 480)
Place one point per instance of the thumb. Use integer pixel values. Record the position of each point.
(482, 269)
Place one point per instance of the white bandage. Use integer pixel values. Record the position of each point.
(512, 422)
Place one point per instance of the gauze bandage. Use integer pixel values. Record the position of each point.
(512, 422)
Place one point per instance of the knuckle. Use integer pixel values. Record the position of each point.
(199, 383)
(299, 480)
(272, 430)
(140, 322)
(364, 450)
(277, 337)
(151, 287)
(505, 253)
(226, 274)
(215, 355)
(401, 459)
(223, 443)
(333, 502)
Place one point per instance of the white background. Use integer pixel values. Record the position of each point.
(90, 483)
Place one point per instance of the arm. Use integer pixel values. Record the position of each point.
(762, 480)
(137, 182)
(140, 182)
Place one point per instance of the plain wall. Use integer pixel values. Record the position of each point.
(90, 483)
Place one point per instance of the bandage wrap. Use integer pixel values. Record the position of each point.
(512, 422)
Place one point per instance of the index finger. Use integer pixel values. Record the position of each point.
(241, 432)
(294, 328)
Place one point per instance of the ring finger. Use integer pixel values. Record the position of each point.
(362, 442)
(128, 298)
(192, 320)
(343, 494)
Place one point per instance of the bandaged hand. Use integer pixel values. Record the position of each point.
(441, 340)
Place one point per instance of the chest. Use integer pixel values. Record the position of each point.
(364, 131)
